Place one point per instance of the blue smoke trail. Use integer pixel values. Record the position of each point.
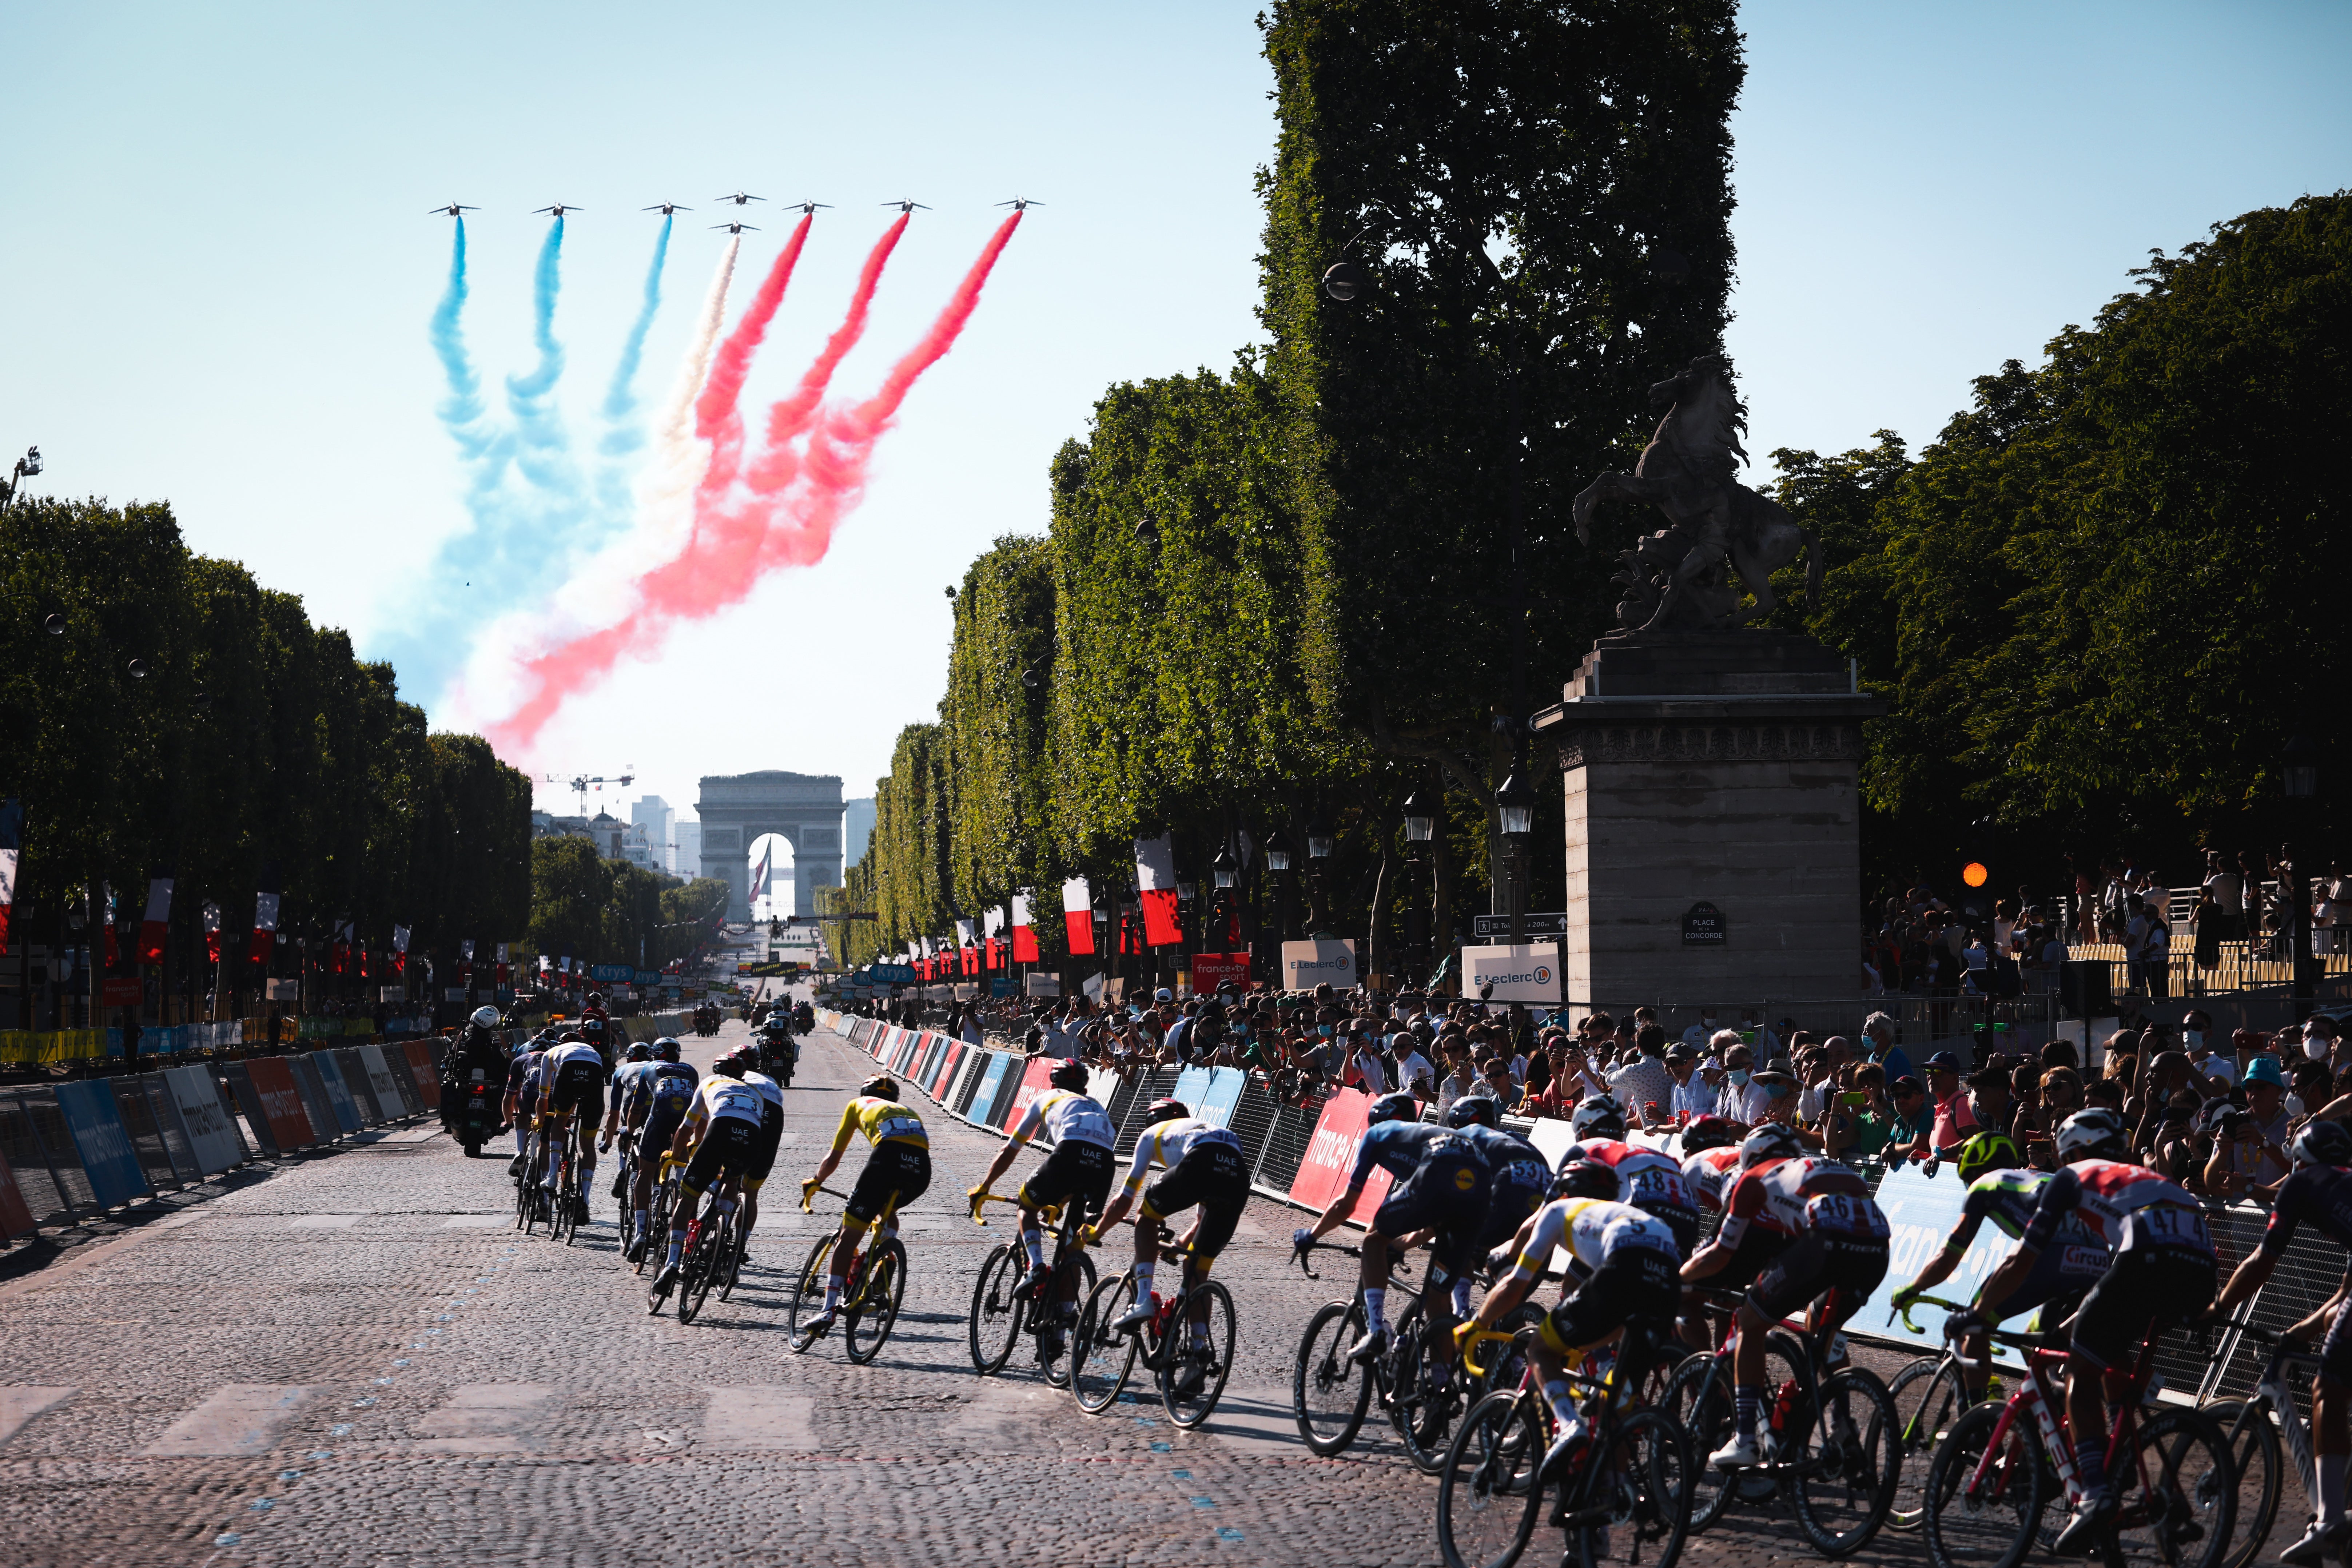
(543, 447)
(623, 436)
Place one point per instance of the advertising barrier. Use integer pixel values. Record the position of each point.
(15, 1215)
(1034, 1076)
(104, 1147)
(1220, 1097)
(985, 1095)
(213, 1136)
(389, 1101)
(426, 1071)
(281, 1102)
(1323, 1170)
(326, 1123)
(1191, 1087)
(340, 1099)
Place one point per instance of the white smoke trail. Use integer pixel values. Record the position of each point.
(599, 589)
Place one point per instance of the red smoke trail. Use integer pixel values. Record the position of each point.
(716, 417)
(684, 588)
(841, 447)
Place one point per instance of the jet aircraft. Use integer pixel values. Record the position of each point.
(559, 209)
(453, 209)
(665, 209)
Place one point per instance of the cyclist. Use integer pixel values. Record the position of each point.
(1646, 1179)
(1442, 1188)
(658, 1099)
(771, 1134)
(2160, 1273)
(898, 1172)
(1079, 1169)
(2318, 1189)
(595, 1027)
(717, 1141)
(1710, 1158)
(2003, 1191)
(525, 1074)
(1628, 1292)
(1796, 1229)
(575, 1083)
(638, 1058)
(1205, 1170)
(1516, 1172)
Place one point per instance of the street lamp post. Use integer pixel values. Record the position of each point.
(1318, 894)
(1515, 809)
(2300, 775)
(1278, 861)
(1420, 829)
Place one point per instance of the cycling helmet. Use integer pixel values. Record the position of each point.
(1161, 1110)
(1599, 1117)
(666, 1049)
(1986, 1152)
(881, 1086)
(1584, 1179)
(1470, 1107)
(640, 1052)
(730, 1066)
(2093, 1134)
(485, 1019)
(1770, 1142)
(1397, 1107)
(1070, 1075)
(2321, 1143)
(1709, 1132)
(571, 1038)
(595, 998)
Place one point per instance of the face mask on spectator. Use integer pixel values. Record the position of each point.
(2193, 1038)
(1738, 1077)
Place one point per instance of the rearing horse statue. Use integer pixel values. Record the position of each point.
(1688, 472)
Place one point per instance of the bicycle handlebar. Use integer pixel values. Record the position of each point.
(1905, 1310)
(1468, 1337)
(1298, 1255)
(809, 1190)
(1047, 1214)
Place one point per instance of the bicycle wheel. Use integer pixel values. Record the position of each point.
(1062, 1322)
(2179, 1503)
(1929, 1396)
(808, 1284)
(1328, 1394)
(2254, 1452)
(1486, 1492)
(1100, 1360)
(1699, 1396)
(657, 1227)
(1987, 1522)
(994, 1325)
(730, 1254)
(1421, 1409)
(1636, 1500)
(695, 1279)
(565, 1223)
(1851, 1462)
(1194, 1365)
(524, 1188)
(866, 1326)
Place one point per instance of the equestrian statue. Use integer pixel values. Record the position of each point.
(1676, 578)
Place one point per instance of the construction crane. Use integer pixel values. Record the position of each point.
(579, 783)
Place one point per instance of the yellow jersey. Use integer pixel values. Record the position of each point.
(882, 1122)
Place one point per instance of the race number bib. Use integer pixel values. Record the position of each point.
(1847, 1215)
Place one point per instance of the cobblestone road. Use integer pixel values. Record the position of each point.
(360, 1360)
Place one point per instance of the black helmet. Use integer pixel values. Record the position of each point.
(881, 1086)
(1397, 1107)
(2321, 1143)
(1584, 1179)
(730, 1066)
(1161, 1110)
(1709, 1132)
(666, 1049)
(1470, 1107)
(1069, 1074)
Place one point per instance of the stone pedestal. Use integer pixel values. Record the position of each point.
(1714, 848)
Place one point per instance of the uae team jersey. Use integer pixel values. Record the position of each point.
(770, 1090)
(563, 1057)
(1593, 1228)
(1068, 1116)
(720, 1097)
(882, 1122)
(1645, 1177)
(2132, 1207)
(1170, 1141)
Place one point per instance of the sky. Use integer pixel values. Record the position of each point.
(217, 247)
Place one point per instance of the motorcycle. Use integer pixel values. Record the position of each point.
(476, 1121)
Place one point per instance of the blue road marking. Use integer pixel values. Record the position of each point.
(1228, 1532)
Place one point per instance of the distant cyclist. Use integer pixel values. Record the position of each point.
(715, 1142)
(525, 1074)
(898, 1172)
(657, 1103)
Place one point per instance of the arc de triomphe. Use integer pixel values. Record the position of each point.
(802, 808)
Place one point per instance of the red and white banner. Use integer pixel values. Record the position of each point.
(1077, 916)
(1211, 970)
(1024, 935)
(991, 921)
(265, 927)
(212, 933)
(1331, 1153)
(400, 950)
(503, 964)
(1155, 882)
(156, 922)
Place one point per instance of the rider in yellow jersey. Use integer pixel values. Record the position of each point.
(897, 1172)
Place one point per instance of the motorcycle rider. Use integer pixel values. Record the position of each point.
(477, 1049)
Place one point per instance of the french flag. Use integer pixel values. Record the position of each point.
(1155, 880)
(265, 919)
(12, 849)
(1024, 935)
(1077, 916)
(158, 919)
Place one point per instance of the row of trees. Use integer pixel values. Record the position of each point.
(166, 715)
(1342, 573)
(596, 911)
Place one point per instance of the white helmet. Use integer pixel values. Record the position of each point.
(1770, 1142)
(485, 1019)
(2093, 1134)
(1599, 1117)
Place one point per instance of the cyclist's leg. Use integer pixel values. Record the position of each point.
(1784, 1283)
(585, 1117)
(2331, 1432)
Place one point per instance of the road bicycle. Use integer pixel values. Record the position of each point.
(871, 1287)
(1002, 1307)
(1187, 1344)
(1625, 1494)
(1828, 1439)
(624, 1184)
(714, 1246)
(1996, 1472)
(667, 1175)
(1330, 1395)
(2255, 1428)
(1930, 1394)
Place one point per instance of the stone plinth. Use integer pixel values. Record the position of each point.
(1711, 769)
